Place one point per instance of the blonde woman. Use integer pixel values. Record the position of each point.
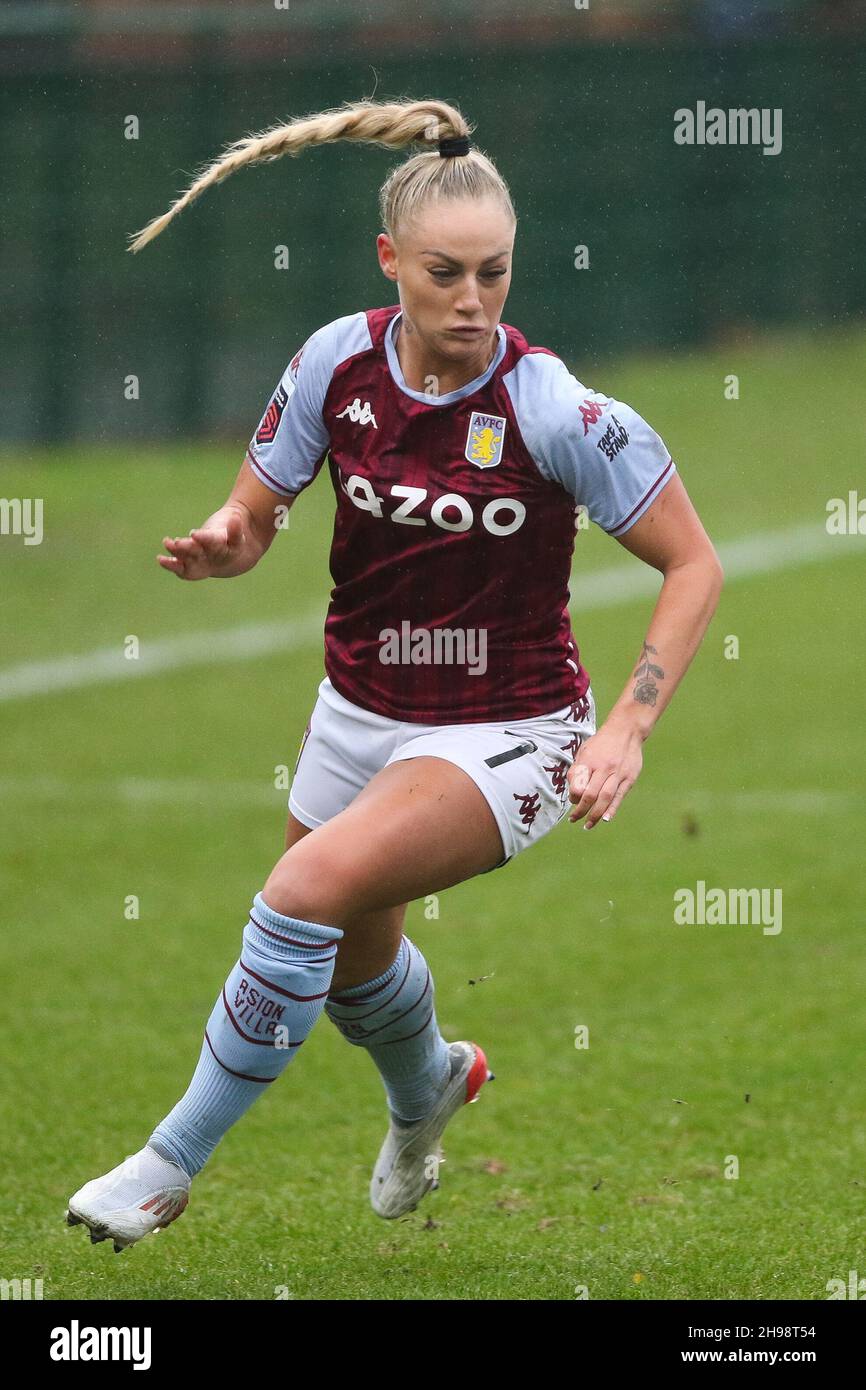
(455, 725)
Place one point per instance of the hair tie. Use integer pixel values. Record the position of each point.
(456, 144)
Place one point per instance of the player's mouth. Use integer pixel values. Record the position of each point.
(466, 332)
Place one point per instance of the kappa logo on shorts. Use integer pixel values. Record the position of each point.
(573, 746)
(272, 417)
(484, 439)
(530, 805)
(579, 709)
(558, 777)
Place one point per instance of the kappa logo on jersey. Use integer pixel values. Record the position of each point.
(359, 414)
(272, 417)
(484, 439)
(296, 361)
(590, 413)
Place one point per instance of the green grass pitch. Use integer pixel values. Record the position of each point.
(601, 1167)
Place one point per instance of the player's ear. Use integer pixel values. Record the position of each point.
(387, 254)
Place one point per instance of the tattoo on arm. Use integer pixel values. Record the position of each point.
(646, 691)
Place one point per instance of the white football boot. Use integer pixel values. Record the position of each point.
(143, 1193)
(408, 1163)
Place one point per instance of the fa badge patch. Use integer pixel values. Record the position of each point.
(270, 423)
(484, 440)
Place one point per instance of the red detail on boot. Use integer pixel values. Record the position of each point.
(477, 1074)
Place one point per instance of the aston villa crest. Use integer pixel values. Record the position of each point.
(484, 440)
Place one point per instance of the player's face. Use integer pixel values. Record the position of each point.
(453, 266)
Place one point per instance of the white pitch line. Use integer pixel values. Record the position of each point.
(760, 553)
(799, 801)
(208, 648)
(763, 552)
(186, 791)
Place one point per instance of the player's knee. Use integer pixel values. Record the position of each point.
(307, 884)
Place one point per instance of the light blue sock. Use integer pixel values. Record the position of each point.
(268, 1005)
(394, 1019)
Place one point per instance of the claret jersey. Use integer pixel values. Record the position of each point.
(455, 519)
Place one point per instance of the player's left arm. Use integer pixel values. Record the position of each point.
(669, 536)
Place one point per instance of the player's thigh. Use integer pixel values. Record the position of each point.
(371, 939)
(296, 830)
(420, 825)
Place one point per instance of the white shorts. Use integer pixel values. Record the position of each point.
(519, 765)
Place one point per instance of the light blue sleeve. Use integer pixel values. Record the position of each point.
(598, 448)
(291, 441)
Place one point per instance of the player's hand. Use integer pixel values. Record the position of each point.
(605, 769)
(207, 551)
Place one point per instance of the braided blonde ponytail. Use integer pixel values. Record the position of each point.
(392, 124)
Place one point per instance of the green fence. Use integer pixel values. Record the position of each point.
(685, 243)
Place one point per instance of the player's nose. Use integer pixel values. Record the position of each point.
(469, 297)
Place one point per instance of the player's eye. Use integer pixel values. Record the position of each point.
(485, 274)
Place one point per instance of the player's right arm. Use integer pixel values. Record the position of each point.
(235, 538)
(283, 457)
